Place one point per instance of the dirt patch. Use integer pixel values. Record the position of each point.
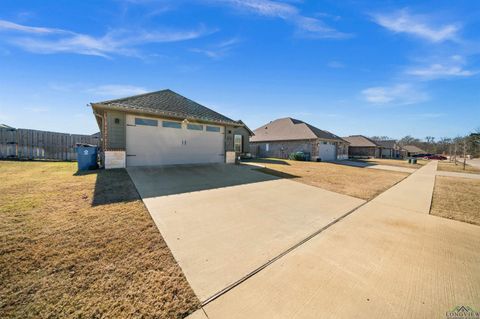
(82, 245)
(451, 167)
(358, 182)
(457, 198)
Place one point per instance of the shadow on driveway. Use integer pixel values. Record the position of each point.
(163, 181)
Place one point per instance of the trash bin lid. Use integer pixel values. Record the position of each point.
(84, 145)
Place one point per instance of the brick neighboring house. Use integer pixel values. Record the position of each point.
(413, 150)
(362, 146)
(284, 136)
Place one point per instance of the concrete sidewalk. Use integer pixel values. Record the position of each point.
(388, 259)
(414, 193)
(456, 174)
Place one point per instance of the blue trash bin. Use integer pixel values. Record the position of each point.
(86, 157)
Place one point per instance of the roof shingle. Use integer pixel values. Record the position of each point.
(360, 141)
(168, 103)
(286, 129)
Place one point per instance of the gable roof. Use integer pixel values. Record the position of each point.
(413, 149)
(5, 126)
(386, 143)
(360, 141)
(287, 129)
(167, 103)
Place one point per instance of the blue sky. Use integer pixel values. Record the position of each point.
(351, 67)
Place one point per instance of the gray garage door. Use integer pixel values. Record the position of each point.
(161, 142)
(327, 152)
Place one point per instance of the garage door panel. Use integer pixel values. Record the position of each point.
(158, 145)
(327, 152)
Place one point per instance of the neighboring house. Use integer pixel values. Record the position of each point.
(165, 128)
(362, 146)
(413, 150)
(390, 149)
(284, 136)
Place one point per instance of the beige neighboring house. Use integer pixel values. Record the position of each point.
(165, 128)
(390, 149)
(284, 136)
(361, 146)
(413, 150)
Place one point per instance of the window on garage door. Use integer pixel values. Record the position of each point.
(147, 122)
(213, 128)
(171, 124)
(195, 127)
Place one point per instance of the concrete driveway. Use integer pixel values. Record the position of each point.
(225, 222)
(388, 259)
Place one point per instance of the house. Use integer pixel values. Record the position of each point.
(390, 149)
(284, 136)
(362, 146)
(165, 128)
(413, 150)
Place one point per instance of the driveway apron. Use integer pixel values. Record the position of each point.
(224, 222)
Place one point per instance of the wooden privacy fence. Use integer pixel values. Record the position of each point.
(33, 144)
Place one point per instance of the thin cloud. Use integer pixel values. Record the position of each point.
(399, 94)
(116, 90)
(306, 26)
(403, 21)
(218, 50)
(7, 25)
(124, 42)
(335, 65)
(435, 71)
(448, 68)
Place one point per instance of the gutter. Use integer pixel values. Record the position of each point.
(172, 115)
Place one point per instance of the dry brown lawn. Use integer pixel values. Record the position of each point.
(395, 162)
(457, 198)
(358, 182)
(451, 167)
(82, 246)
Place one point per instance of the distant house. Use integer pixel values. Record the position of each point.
(362, 146)
(413, 150)
(390, 149)
(284, 136)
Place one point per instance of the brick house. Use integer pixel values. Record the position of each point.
(284, 136)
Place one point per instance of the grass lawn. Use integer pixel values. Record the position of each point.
(394, 162)
(82, 246)
(457, 198)
(354, 181)
(451, 167)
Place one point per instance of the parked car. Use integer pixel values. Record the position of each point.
(422, 155)
(435, 157)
